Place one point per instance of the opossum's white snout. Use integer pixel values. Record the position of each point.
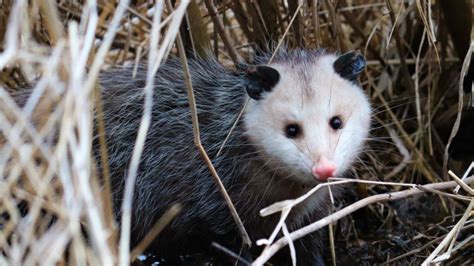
(323, 168)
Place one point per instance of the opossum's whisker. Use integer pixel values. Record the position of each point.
(241, 155)
(381, 110)
(393, 123)
(374, 137)
(382, 151)
(382, 141)
(267, 187)
(340, 132)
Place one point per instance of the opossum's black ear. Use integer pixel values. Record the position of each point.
(350, 65)
(260, 79)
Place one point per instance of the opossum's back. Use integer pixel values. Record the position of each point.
(171, 169)
(218, 94)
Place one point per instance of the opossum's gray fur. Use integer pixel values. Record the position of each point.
(171, 169)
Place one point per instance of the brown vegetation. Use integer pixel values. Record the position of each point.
(418, 59)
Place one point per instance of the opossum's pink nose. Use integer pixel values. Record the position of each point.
(323, 168)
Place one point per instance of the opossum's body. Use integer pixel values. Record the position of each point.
(260, 164)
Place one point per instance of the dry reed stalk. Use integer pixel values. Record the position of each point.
(197, 141)
(75, 180)
(50, 189)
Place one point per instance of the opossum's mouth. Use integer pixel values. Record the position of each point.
(312, 178)
(306, 179)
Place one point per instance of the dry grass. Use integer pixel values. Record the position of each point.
(51, 196)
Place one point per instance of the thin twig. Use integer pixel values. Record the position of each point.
(221, 30)
(167, 217)
(450, 236)
(124, 247)
(280, 42)
(454, 130)
(315, 17)
(234, 125)
(271, 250)
(461, 183)
(197, 141)
(466, 173)
(230, 253)
(104, 163)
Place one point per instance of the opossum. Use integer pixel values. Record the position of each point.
(306, 120)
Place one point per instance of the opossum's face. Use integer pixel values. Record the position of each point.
(312, 123)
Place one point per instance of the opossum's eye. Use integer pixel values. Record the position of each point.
(335, 123)
(350, 65)
(293, 131)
